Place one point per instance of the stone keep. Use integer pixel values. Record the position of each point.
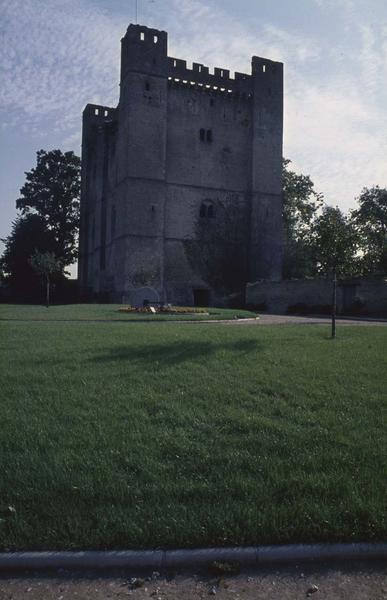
(181, 183)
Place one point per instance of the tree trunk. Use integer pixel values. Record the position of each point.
(334, 302)
(47, 291)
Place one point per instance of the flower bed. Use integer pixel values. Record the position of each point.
(167, 309)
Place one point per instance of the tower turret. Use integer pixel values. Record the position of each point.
(266, 176)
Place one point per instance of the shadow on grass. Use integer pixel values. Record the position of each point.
(175, 353)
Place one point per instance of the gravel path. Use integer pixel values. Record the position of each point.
(356, 581)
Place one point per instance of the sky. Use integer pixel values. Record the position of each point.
(58, 55)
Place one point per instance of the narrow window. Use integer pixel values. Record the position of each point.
(200, 69)
(105, 113)
(96, 111)
(209, 135)
(155, 39)
(202, 135)
(203, 210)
(211, 212)
(221, 72)
(175, 63)
(264, 68)
(142, 36)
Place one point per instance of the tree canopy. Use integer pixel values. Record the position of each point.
(52, 191)
(28, 234)
(370, 220)
(301, 203)
(47, 223)
(334, 243)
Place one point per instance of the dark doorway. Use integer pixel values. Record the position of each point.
(201, 297)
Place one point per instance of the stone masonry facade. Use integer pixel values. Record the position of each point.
(181, 183)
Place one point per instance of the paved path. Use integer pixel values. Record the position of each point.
(265, 319)
(355, 581)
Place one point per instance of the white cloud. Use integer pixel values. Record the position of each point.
(57, 56)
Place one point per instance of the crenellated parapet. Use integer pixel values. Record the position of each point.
(98, 118)
(199, 76)
(145, 50)
(98, 113)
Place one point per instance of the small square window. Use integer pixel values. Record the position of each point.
(155, 39)
(142, 36)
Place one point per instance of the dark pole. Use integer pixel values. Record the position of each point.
(47, 291)
(334, 303)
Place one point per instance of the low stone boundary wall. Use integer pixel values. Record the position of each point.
(361, 295)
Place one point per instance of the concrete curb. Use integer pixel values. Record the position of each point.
(130, 321)
(175, 559)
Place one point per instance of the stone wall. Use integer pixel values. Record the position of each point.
(363, 295)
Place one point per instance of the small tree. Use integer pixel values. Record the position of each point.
(29, 233)
(334, 246)
(46, 264)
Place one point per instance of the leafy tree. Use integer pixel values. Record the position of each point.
(46, 264)
(52, 191)
(29, 233)
(334, 246)
(334, 243)
(370, 220)
(301, 203)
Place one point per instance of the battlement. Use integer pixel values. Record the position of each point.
(146, 36)
(98, 113)
(146, 50)
(200, 76)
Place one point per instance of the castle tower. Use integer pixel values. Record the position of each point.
(181, 183)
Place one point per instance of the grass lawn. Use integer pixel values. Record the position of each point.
(118, 435)
(109, 312)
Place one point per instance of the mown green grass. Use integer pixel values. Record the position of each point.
(109, 312)
(119, 435)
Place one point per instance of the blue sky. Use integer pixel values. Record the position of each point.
(57, 55)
